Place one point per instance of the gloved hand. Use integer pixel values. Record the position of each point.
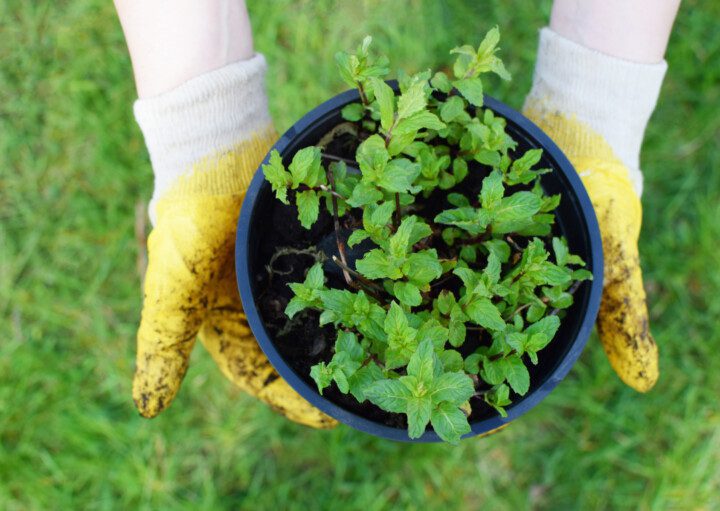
(596, 108)
(206, 138)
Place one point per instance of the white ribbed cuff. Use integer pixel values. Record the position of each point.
(206, 115)
(615, 97)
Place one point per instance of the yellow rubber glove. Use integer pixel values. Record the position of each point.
(206, 140)
(623, 318)
(577, 94)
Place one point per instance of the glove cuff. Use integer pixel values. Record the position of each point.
(614, 97)
(215, 127)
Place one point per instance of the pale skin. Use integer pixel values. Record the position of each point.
(172, 41)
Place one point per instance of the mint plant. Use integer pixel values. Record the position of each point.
(447, 309)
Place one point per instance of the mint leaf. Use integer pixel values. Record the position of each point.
(492, 190)
(353, 112)
(418, 121)
(407, 293)
(472, 220)
(412, 100)
(449, 422)
(390, 395)
(308, 204)
(322, 375)
(398, 175)
(517, 374)
(499, 398)
(279, 179)
(452, 387)
(484, 313)
(422, 267)
(386, 101)
(418, 412)
(306, 168)
(471, 89)
(441, 82)
(357, 236)
(452, 109)
(364, 194)
(376, 264)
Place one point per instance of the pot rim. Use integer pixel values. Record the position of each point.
(310, 393)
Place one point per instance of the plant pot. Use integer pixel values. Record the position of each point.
(575, 220)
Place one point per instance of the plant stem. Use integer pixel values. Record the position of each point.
(572, 290)
(337, 158)
(373, 288)
(336, 222)
(363, 96)
(396, 217)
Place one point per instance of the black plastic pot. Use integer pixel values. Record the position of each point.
(575, 218)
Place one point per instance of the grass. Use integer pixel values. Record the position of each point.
(72, 169)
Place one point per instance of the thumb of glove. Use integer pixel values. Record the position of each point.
(186, 251)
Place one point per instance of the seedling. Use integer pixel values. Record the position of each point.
(444, 313)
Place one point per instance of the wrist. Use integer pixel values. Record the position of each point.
(612, 97)
(208, 135)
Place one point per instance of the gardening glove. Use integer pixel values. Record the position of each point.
(596, 107)
(205, 139)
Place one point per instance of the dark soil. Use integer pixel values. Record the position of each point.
(302, 342)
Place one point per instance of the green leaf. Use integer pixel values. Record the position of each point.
(548, 326)
(372, 156)
(398, 175)
(460, 169)
(306, 168)
(422, 267)
(422, 363)
(519, 206)
(433, 331)
(315, 278)
(456, 333)
(407, 293)
(452, 109)
(469, 219)
(517, 374)
(412, 100)
(449, 422)
(353, 112)
(277, 176)
(364, 194)
(499, 248)
(308, 204)
(376, 264)
(445, 301)
(451, 360)
(400, 241)
(441, 82)
(492, 190)
(498, 398)
(357, 236)
(390, 395)
(322, 375)
(484, 313)
(471, 89)
(418, 415)
(362, 379)
(418, 121)
(294, 306)
(452, 387)
(386, 101)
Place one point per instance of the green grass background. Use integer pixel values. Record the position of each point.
(72, 168)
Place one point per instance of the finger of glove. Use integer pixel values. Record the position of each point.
(622, 322)
(190, 244)
(228, 338)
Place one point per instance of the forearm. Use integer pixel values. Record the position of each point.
(634, 30)
(171, 41)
